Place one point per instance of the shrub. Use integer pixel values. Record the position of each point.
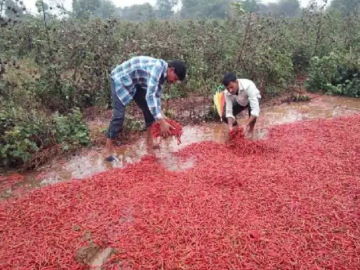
(23, 133)
(322, 71)
(54, 63)
(335, 74)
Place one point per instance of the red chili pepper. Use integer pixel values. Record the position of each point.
(238, 143)
(7, 182)
(292, 202)
(176, 131)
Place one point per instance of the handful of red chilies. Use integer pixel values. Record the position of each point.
(176, 131)
(238, 143)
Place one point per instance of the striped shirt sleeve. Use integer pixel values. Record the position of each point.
(154, 89)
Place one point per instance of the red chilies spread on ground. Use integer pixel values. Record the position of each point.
(238, 143)
(293, 208)
(7, 181)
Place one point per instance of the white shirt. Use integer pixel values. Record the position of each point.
(248, 93)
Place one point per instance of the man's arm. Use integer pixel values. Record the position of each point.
(153, 98)
(164, 115)
(229, 112)
(153, 93)
(252, 92)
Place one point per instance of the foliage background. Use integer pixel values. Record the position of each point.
(56, 63)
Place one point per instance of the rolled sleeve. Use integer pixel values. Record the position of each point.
(154, 90)
(229, 107)
(253, 94)
(254, 106)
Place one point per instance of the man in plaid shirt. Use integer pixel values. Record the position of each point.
(141, 79)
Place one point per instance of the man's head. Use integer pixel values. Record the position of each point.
(176, 71)
(231, 83)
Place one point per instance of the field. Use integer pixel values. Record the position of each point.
(290, 201)
(287, 200)
(54, 66)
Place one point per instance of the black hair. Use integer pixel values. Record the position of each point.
(180, 68)
(228, 78)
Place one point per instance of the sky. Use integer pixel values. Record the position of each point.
(30, 4)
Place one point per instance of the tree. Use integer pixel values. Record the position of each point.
(84, 8)
(106, 9)
(250, 5)
(263, 8)
(290, 8)
(99, 8)
(217, 8)
(205, 8)
(137, 13)
(165, 8)
(12, 9)
(189, 8)
(346, 7)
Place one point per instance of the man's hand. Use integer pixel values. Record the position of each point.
(165, 128)
(249, 131)
(231, 123)
(249, 128)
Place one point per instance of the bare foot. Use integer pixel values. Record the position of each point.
(108, 148)
(249, 135)
(106, 153)
(150, 151)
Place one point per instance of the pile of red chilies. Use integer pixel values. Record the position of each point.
(241, 145)
(176, 131)
(293, 208)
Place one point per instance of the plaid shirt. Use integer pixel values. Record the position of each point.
(145, 72)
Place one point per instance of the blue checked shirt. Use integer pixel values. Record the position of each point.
(145, 72)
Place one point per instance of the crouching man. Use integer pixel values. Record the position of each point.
(241, 94)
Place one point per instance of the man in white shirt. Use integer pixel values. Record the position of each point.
(241, 94)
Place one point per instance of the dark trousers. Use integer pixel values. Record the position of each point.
(117, 121)
(237, 108)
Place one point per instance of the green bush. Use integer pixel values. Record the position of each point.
(51, 63)
(349, 88)
(19, 134)
(70, 130)
(321, 73)
(336, 73)
(301, 58)
(72, 59)
(23, 133)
